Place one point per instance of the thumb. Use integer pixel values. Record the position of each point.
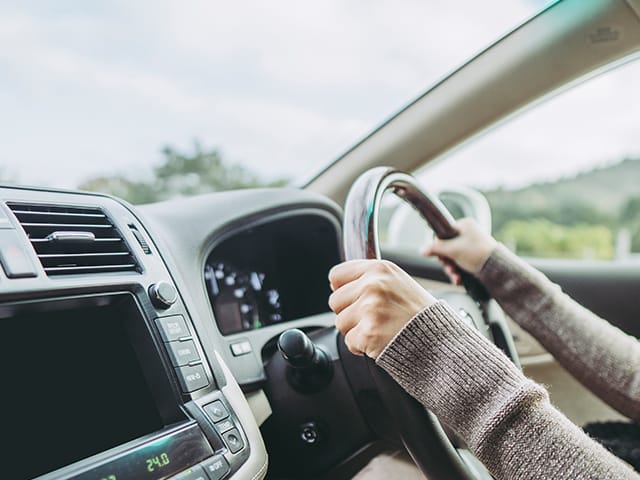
(438, 248)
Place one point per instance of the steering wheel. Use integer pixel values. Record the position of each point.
(438, 457)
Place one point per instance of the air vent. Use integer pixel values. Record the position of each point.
(72, 240)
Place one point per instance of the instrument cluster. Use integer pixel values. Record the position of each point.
(272, 272)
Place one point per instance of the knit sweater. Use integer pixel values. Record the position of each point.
(507, 420)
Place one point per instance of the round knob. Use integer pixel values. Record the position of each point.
(297, 349)
(309, 368)
(310, 433)
(163, 294)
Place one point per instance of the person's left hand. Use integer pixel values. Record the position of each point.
(373, 299)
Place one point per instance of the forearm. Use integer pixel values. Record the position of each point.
(602, 357)
(504, 418)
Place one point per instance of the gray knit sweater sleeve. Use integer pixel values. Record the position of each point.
(602, 357)
(505, 419)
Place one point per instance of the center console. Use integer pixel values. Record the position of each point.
(104, 374)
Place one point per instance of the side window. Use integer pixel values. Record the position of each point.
(563, 178)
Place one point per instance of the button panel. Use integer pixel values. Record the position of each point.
(192, 377)
(231, 449)
(240, 348)
(216, 467)
(192, 473)
(172, 328)
(225, 425)
(182, 352)
(233, 440)
(216, 411)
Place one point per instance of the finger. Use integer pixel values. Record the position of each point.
(347, 320)
(446, 262)
(346, 272)
(440, 248)
(345, 296)
(351, 340)
(452, 272)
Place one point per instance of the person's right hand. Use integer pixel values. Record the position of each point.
(469, 250)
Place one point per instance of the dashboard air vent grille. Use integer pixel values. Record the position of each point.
(72, 240)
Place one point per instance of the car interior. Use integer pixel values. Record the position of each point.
(212, 310)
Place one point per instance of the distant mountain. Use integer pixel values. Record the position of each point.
(597, 196)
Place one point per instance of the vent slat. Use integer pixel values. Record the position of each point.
(66, 225)
(107, 252)
(67, 255)
(91, 269)
(60, 214)
(99, 240)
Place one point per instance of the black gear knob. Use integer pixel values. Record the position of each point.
(309, 367)
(296, 348)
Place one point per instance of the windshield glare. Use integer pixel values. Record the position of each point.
(165, 98)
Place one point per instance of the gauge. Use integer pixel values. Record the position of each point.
(242, 299)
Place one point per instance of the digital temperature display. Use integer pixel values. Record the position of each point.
(157, 462)
(159, 458)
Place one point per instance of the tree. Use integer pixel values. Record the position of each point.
(541, 238)
(136, 192)
(181, 174)
(630, 220)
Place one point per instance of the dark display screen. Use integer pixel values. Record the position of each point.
(272, 273)
(156, 459)
(74, 375)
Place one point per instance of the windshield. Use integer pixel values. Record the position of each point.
(145, 99)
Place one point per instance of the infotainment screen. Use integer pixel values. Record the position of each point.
(72, 372)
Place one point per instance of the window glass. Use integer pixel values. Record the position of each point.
(562, 178)
(154, 99)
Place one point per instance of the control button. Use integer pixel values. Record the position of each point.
(13, 255)
(172, 328)
(192, 378)
(309, 433)
(240, 348)
(216, 467)
(192, 473)
(182, 353)
(233, 440)
(216, 411)
(225, 425)
(163, 295)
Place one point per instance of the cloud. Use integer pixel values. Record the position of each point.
(281, 86)
(342, 44)
(593, 123)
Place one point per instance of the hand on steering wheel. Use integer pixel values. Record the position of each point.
(469, 250)
(373, 300)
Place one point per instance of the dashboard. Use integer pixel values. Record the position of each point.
(134, 339)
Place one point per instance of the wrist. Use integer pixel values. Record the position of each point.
(485, 250)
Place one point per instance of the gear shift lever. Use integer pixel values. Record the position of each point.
(309, 367)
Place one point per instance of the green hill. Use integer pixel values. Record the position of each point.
(589, 209)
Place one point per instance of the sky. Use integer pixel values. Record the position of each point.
(99, 88)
